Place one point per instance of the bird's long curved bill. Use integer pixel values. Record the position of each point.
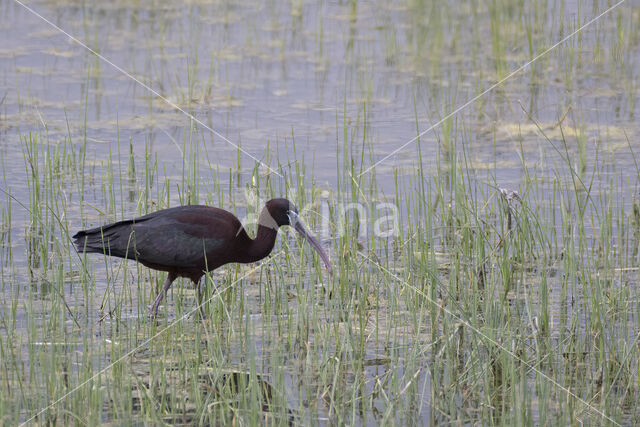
(299, 226)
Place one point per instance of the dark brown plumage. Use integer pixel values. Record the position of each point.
(188, 241)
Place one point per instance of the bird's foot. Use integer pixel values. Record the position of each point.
(153, 312)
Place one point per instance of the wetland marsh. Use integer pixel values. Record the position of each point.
(470, 167)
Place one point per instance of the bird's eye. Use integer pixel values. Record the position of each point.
(293, 217)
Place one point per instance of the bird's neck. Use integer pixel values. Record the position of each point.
(262, 245)
(265, 239)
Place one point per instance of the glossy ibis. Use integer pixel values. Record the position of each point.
(188, 241)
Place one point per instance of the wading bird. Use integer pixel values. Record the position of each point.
(188, 241)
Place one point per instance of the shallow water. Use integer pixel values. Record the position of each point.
(317, 90)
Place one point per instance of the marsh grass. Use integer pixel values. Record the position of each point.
(481, 307)
(491, 303)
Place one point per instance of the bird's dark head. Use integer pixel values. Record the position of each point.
(279, 212)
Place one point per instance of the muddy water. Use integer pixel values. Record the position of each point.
(263, 73)
(335, 77)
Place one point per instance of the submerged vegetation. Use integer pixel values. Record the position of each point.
(486, 273)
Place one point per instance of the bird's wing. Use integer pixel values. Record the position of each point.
(172, 242)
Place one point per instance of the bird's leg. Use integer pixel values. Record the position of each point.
(200, 303)
(200, 286)
(153, 310)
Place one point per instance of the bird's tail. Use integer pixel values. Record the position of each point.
(106, 239)
(87, 241)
